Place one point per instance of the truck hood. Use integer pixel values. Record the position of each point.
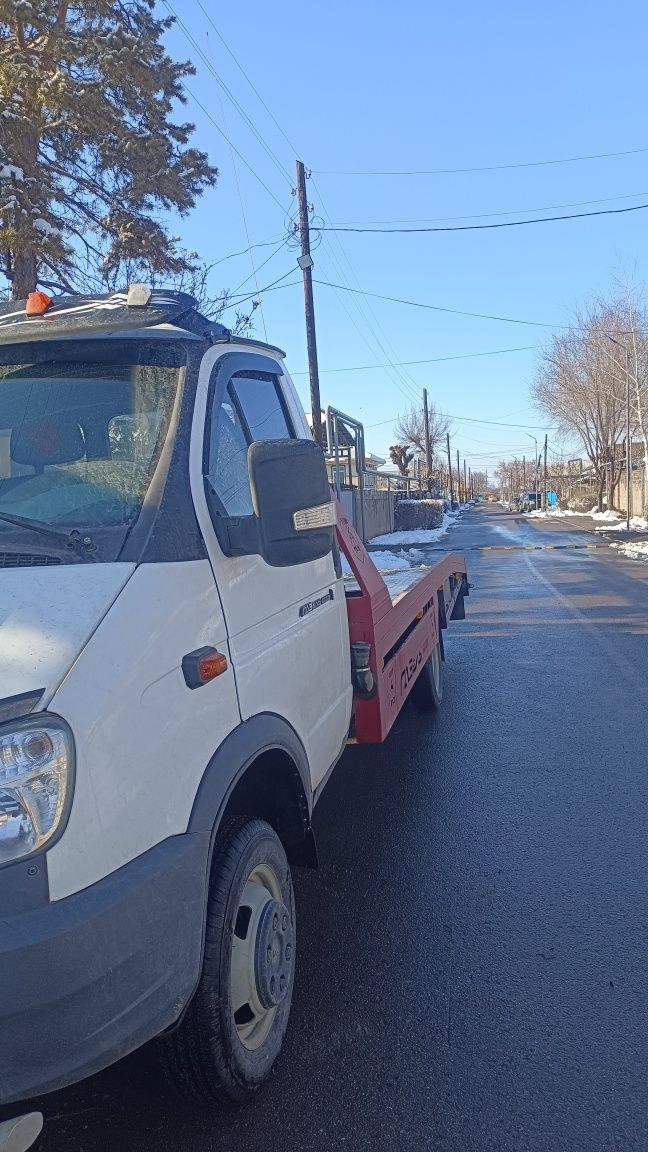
(46, 616)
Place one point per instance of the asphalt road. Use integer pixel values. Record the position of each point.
(474, 948)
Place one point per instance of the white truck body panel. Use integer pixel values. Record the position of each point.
(47, 616)
(296, 666)
(143, 740)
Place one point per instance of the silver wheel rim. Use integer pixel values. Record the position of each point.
(255, 1021)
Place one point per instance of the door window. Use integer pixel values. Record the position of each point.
(251, 409)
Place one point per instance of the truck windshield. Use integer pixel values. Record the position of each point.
(81, 428)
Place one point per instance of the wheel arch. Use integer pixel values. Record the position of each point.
(260, 770)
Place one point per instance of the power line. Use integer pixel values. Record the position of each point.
(484, 215)
(228, 93)
(433, 360)
(295, 151)
(467, 420)
(481, 227)
(244, 251)
(233, 146)
(241, 69)
(260, 266)
(273, 287)
(488, 168)
(243, 214)
(398, 381)
(451, 311)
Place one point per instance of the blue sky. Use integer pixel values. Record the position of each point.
(423, 86)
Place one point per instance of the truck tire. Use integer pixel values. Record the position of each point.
(234, 1027)
(427, 693)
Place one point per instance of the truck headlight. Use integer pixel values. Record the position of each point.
(36, 781)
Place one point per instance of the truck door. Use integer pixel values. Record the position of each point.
(287, 626)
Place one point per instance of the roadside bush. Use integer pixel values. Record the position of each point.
(410, 514)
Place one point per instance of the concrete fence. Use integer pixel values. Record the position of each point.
(638, 493)
(378, 513)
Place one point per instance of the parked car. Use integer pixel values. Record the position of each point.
(513, 504)
(530, 501)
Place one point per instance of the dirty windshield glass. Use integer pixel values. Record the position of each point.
(81, 430)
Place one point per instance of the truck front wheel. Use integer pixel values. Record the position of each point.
(427, 692)
(234, 1027)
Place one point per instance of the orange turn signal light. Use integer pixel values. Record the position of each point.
(203, 665)
(209, 667)
(37, 303)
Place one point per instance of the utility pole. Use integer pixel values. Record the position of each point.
(544, 495)
(426, 430)
(450, 468)
(458, 478)
(470, 483)
(465, 484)
(305, 262)
(628, 443)
(524, 472)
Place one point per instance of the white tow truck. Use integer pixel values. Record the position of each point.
(181, 666)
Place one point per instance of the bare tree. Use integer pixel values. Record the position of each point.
(410, 428)
(401, 456)
(580, 386)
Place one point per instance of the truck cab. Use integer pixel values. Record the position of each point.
(175, 686)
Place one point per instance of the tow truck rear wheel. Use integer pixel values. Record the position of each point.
(234, 1027)
(427, 692)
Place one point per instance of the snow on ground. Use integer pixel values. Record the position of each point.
(607, 515)
(418, 535)
(637, 524)
(637, 549)
(553, 514)
(384, 561)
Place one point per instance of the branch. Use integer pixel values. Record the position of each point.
(67, 287)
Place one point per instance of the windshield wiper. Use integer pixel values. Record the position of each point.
(82, 544)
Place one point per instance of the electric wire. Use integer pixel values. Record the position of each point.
(487, 168)
(486, 227)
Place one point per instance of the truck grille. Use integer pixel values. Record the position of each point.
(27, 560)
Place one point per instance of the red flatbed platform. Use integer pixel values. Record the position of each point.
(401, 619)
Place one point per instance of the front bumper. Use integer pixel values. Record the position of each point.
(88, 979)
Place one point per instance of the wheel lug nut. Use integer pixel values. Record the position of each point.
(282, 984)
(288, 952)
(273, 985)
(275, 922)
(284, 923)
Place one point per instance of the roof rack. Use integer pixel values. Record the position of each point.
(40, 317)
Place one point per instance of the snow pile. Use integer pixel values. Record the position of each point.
(609, 514)
(419, 535)
(7, 171)
(552, 514)
(637, 524)
(637, 550)
(384, 561)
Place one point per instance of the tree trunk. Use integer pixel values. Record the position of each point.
(24, 276)
(600, 490)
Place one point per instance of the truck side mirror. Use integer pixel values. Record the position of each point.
(292, 503)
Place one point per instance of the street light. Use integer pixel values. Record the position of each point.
(628, 442)
(536, 466)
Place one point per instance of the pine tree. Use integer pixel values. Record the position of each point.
(89, 154)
